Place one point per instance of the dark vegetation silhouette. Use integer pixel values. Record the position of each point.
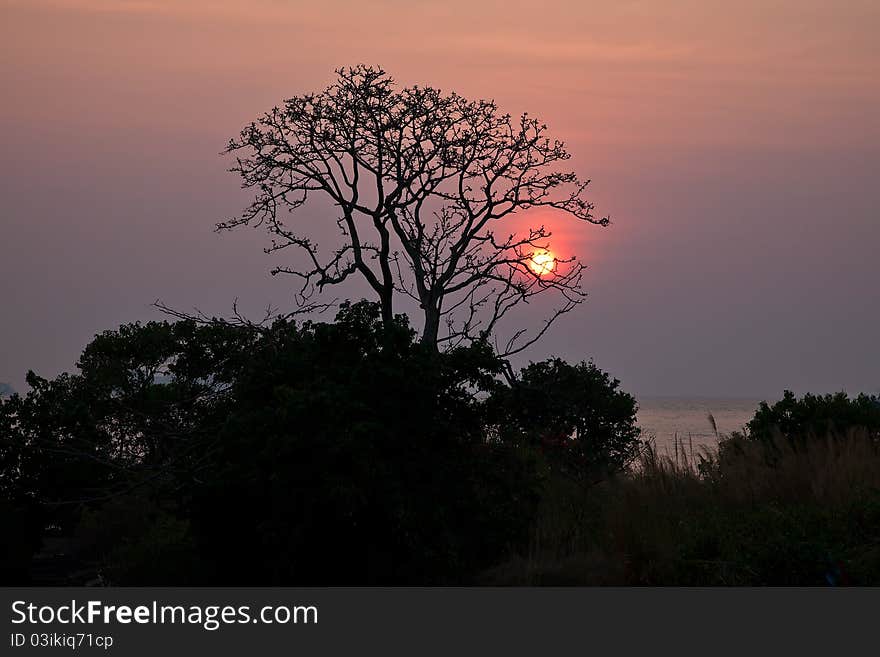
(313, 453)
(792, 500)
(832, 414)
(576, 415)
(351, 453)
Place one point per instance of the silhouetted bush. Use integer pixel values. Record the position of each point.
(349, 453)
(355, 455)
(816, 414)
(313, 453)
(133, 420)
(20, 515)
(576, 414)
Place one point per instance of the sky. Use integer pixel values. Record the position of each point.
(735, 146)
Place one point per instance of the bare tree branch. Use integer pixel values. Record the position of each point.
(422, 182)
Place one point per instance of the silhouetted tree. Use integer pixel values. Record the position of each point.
(422, 183)
(288, 453)
(353, 454)
(138, 421)
(577, 414)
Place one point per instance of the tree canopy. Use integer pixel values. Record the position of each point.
(423, 184)
(344, 452)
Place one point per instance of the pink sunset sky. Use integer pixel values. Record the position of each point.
(735, 146)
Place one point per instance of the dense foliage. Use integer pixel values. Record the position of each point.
(816, 414)
(315, 453)
(576, 414)
(349, 453)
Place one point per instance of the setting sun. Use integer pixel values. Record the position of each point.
(542, 263)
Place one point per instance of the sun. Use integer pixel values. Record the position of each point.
(542, 263)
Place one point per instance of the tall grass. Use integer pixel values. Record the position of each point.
(787, 512)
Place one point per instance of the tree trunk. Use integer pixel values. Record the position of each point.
(432, 326)
(387, 309)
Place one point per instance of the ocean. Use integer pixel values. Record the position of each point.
(667, 419)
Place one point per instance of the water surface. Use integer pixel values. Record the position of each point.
(668, 419)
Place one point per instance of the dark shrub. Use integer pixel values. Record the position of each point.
(355, 455)
(816, 415)
(576, 414)
(134, 419)
(315, 453)
(20, 515)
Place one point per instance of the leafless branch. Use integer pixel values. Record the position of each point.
(422, 183)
